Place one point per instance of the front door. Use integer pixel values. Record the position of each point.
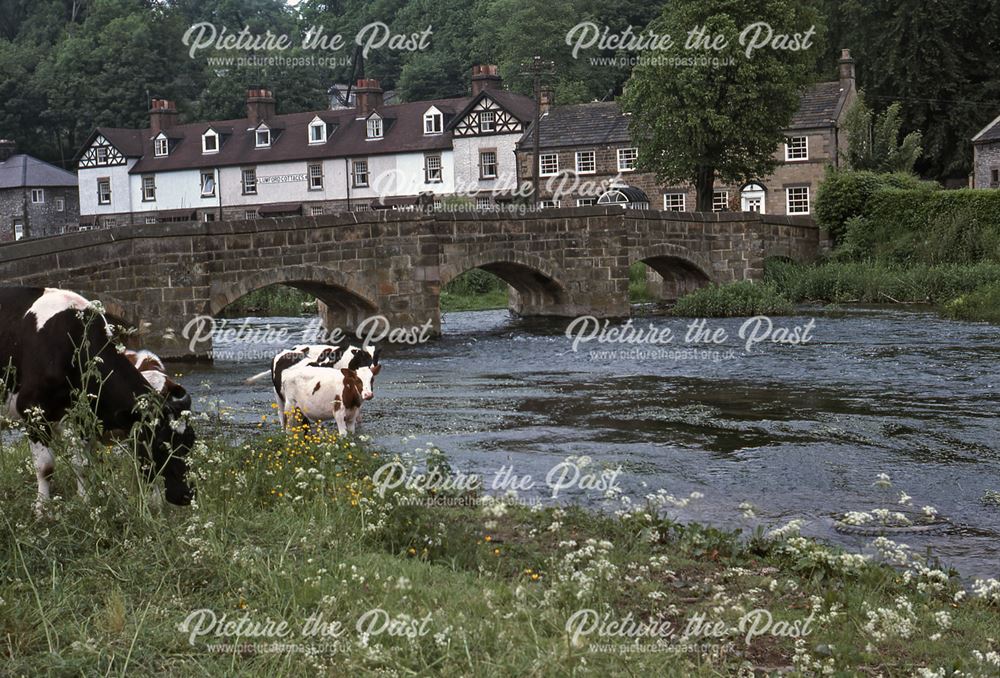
(752, 198)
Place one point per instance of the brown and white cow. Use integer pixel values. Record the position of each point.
(321, 393)
(46, 337)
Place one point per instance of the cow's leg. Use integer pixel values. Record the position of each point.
(281, 410)
(45, 464)
(340, 416)
(352, 419)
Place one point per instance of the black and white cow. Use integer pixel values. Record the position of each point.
(46, 335)
(354, 358)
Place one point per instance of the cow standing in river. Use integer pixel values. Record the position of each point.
(48, 338)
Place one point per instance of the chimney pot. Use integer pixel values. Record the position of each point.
(367, 97)
(260, 104)
(846, 65)
(485, 76)
(162, 115)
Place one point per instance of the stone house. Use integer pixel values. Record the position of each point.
(586, 148)
(36, 199)
(986, 156)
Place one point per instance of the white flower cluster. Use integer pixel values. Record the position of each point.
(790, 529)
(890, 551)
(817, 554)
(890, 622)
(987, 589)
(577, 571)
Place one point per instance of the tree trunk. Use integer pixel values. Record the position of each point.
(703, 185)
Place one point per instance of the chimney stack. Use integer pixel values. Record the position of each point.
(162, 115)
(260, 104)
(846, 64)
(546, 98)
(367, 97)
(8, 147)
(484, 76)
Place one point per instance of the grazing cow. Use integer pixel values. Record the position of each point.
(318, 355)
(321, 393)
(48, 339)
(154, 372)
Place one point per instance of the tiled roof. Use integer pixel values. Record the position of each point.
(402, 132)
(20, 171)
(989, 133)
(818, 106)
(603, 123)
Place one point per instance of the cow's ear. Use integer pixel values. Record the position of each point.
(178, 399)
(376, 369)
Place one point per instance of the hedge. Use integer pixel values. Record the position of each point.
(845, 194)
(932, 227)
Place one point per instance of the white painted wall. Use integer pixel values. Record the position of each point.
(467, 162)
(121, 194)
(180, 189)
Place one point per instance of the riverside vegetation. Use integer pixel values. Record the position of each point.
(288, 527)
(895, 240)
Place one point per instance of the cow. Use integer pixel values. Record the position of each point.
(318, 355)
(320, 393)
(54, 344)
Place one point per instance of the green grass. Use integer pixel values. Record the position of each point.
(288, 527)
(744, 298)
(638, 291)
(983, 303)
(274, 300)
(474, 290)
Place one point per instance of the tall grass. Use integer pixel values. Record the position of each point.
(274, 300)
(474, 290)
(744, 298)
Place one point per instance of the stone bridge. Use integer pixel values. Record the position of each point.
(559, 262)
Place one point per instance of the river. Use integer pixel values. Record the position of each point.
(798, 431)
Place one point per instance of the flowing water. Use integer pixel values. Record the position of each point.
(799, 431)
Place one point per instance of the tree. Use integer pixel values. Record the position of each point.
(724, 116)
(873, 140)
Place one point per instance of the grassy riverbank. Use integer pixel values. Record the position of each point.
(288, 528)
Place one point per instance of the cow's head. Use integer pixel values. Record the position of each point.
(173, 440)
(367, 376)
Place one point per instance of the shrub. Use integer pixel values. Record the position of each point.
(845, 194)
(743, 298)
(933, 227)
(980, 304)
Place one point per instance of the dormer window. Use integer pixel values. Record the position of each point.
(317, 132)
(161, 146)
(262, 139)
(374, 127)
(433, 122)
(210, 142)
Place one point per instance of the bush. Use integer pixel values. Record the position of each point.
(744, 298)
(845, 194)
(932, 227)
(980, 304)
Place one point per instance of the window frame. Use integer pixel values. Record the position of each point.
(210, 134)
(101, 155)
(493, 121)
(715, 200)
(40, 192)
(100, 197)
(374, 124)
(791, 150)
(18, 225)
(211, 176)
(161, 147)
(355, 173)
(593, 162)
(541, 164)
(244, 186)
(635, 158)
(319, 125)
(789, 199)
(60, 204)
(437, 119)
(549, 204)
(144, 187)
(482, 165)
(667, 207)
(428, 178)
(257, 139)
(311, 175)
(586, 202)
(251, 215)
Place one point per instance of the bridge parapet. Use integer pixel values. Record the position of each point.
(560, 262)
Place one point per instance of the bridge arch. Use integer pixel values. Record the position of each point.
(537, 284)
(335, 290)
(682, 270)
